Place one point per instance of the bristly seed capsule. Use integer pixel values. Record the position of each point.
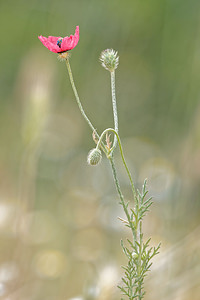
(109, 59)
(94, 157)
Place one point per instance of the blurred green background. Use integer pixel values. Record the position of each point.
(60, 235)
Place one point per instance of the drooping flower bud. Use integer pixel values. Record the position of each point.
(94, 157)
(109, 59)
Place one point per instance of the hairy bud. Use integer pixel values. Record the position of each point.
(109, 59)
(94, 157)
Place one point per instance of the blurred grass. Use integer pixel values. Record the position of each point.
(58, 217)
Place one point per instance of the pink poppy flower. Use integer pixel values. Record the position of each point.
(59, 44)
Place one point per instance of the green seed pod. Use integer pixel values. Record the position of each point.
(94, 157)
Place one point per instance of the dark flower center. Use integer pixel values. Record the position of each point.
(59, 41)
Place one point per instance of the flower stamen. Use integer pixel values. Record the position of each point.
(59, 41)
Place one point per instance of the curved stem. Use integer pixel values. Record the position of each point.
(114, 104)
(80, 105)
(121, 152)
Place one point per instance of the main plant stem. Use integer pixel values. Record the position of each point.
(137, 232)
(122, 202)
(140, 242)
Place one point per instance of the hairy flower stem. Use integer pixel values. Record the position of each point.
(79, 102)
(77, 96)
(114, 104)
